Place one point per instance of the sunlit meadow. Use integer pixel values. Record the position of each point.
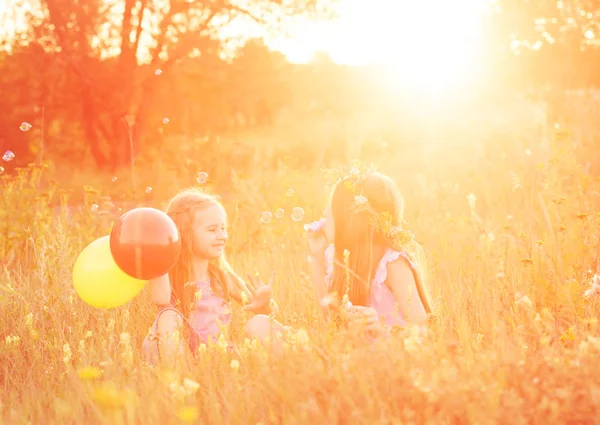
(507, 211)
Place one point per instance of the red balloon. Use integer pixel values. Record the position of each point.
(145, 243)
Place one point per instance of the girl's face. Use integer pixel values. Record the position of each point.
(328, 227)
(210, 231)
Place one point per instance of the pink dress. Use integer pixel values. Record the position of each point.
(211, 312)
(382, 298)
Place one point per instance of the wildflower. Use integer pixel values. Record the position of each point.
(108, 396)
(595, 286)
(302, 337)
(190, 386)
(346, 303)
(330, 300)
(34, 335)
(29, 320)
(244, 297)
(11, 340)
(89, 373)
(235, 365)
(188, 414)
(471, 199)
(315, 226)
(67, 354)
(201, 348)
(361, 200)
(222, 343)
(125, 338)
(524, 301)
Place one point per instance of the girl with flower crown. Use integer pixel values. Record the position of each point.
(372, 263)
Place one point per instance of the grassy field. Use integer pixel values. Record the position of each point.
(511, 226)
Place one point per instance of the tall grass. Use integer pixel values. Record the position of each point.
(512, 232)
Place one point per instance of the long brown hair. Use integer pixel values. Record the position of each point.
(224, 281)
(356, 236)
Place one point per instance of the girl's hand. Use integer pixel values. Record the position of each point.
(364, 320)
(317, 241)
(261, 302)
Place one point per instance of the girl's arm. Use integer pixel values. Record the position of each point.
(401, 281)
(160, 291)
(319, 271)
(169, 337)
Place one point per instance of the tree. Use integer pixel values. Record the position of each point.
(117, 51)
(546, 42)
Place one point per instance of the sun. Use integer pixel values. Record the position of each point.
(426, 43)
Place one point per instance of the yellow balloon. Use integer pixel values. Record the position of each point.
(99, 281)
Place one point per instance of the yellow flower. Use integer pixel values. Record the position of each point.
(109, 397)
(125, 338)
(188, 414)
(89, 373)
(190, 385)
(29, 320)
(67, 354)
(11, 340)
(302, 337)
(235, 365)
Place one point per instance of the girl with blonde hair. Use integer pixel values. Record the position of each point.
(195, 296)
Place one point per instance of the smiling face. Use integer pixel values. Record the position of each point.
(210, 231)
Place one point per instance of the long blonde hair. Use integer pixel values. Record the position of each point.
(224, 281)
(364, 245)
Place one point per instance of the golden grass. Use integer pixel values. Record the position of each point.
(511, 242)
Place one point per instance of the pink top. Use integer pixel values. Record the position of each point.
(382, 298)
(210, 313)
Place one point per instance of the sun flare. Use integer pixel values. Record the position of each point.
(430, 43)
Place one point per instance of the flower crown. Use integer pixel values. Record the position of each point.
(353, 178)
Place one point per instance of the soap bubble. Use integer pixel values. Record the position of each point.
(297, 214)
(158, 72)
(166, 121)
(8, 156)
(1, 170)
(202, 177)
(290, 192)
(266, 217)
(25, 126)
(94, 208)
(114, 179)
(279, 213)
(148, 190)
